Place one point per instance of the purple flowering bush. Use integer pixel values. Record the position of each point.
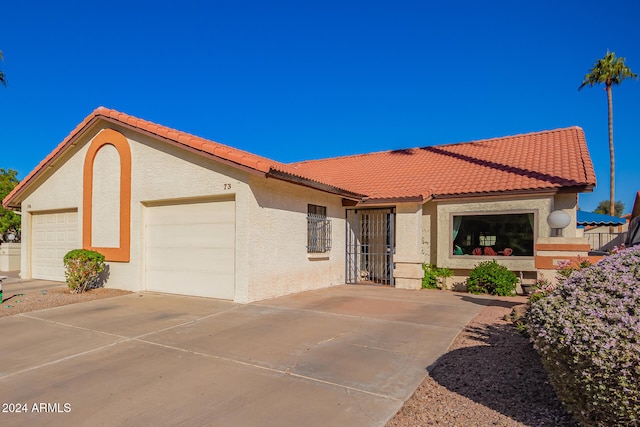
(587, 332)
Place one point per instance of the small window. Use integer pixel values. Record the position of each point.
(487, 240)
(318, 229)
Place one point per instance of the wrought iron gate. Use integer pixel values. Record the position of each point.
(370, 245)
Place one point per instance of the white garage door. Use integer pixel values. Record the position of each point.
(190, 249)
(53, 235)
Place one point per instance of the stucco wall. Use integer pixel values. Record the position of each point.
(407, 259)
(60, 188)
(271, 227)
(9, 256)
(430, 232)
(438, 232)
(277, 240)
(106, 198)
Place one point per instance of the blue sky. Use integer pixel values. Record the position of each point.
(293, 80)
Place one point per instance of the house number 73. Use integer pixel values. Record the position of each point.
(227, 186)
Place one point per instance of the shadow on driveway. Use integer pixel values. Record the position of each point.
(506, 302)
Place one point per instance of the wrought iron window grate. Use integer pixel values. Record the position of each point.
(318, 233)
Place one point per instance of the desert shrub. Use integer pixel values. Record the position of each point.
(543, 288)
(491, 278)
(432, 274)
(82, 269)
(567, 267)
(587, 332)
(564, 269)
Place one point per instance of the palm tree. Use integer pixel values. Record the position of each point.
(610, 71)
(2, 79)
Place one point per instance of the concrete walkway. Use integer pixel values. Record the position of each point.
(348, 355)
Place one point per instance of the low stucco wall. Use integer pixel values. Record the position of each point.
(10, 256)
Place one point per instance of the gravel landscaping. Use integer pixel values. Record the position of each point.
(491, 376)
(54, 297)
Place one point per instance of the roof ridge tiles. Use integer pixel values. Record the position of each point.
(460, 143)
(519, 135)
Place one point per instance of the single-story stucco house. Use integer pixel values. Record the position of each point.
(176, 213)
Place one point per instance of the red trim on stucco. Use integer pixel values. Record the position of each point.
(550, 262)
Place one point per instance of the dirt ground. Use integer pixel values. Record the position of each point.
(54, 297)
(491, 376)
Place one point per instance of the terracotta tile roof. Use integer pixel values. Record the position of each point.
(225, 152)
(542, 160)
(204, 146)
(535, 161)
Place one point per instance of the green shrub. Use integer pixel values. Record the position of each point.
(587, 332)
(432, 274)
(489, 277)
(82, 269)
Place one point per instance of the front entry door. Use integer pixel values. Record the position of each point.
(370, 245)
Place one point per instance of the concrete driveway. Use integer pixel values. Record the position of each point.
(348, 355)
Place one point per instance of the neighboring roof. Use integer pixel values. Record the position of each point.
(589, 218)
(636, 207)
(548, 160)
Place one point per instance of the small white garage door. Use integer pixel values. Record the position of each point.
(53, 235)
(190, 248)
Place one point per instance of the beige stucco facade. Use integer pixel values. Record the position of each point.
(175, 213)
(278, 262)
(270, 227)
(9, 256)
(408, 271)
(59, 189)
(437, 229)
(270, 256)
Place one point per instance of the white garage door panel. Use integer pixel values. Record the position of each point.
(184, 285)
(53, 235)
(193, 235)
(190, 249)
(198, 259)
(195, 213)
